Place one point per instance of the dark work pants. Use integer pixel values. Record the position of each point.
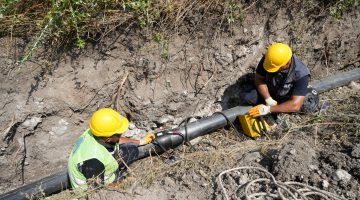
(129, 154)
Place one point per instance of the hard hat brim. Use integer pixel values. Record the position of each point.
(269, 68)
(124, 125)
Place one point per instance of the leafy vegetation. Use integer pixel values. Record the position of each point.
(66, 22)
(341, 6)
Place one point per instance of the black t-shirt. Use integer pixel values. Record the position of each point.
(298, 82)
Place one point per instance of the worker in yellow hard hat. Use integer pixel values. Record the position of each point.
(281, 84)
(101, 155)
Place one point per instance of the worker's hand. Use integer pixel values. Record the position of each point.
(147, 139)
(270, 102)
(259, 110)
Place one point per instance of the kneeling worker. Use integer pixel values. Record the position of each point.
(281, 82)
(101, 154)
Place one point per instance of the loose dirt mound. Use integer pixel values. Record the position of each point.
(294, 161)
(46, 106)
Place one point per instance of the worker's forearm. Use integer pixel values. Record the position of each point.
(285, 107)
(288, 106)
(261, 87)
(124, 140)
(263, 91)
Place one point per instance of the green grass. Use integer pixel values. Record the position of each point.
(57, 23)
(69, 22)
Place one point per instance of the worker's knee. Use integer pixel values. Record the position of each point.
(130, 153)
(250, 98)
(311, 101)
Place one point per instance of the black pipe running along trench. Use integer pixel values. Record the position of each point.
(171, 139)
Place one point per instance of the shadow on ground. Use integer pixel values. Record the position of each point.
(233, 95)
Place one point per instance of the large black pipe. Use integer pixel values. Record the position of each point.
(336, 80)
(41, 188)
(173, 138)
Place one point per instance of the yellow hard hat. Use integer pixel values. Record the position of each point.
(277, 56)
(107, 122)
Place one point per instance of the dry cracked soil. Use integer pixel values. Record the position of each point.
(46, 105)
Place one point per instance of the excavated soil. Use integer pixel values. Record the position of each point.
(46, 105)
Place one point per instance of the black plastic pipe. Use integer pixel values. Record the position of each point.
(44, 187)
(170, 139)
(175, 137)
(336, 80)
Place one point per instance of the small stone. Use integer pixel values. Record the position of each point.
(313, 167)
(184, 93)
(341, 175)
(32, 123)
(195, 178)
(131, 126)
(203, 174)
(243, 179)
(169, 182)
(173, 107)
(204, 185)
(153, 125)
(165, 119)
(146, 102)
(325, 184)
(317, 46)
(196, 140)
(26, 163)
(356, 151)
(301, 177)
(323, 176)
(3, 149)
(355, 86)
(168, 83)
(293, 151)
(254, 156)
(61, 127)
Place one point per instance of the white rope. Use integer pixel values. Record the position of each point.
(283, 190)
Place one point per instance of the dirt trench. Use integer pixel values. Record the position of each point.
(46, 105)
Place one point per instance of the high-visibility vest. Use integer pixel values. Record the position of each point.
(86, 148)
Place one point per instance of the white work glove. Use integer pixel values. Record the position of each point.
(270, 102)
(147, 139)
(259, 110)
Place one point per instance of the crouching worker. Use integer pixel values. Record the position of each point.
(282, 84)
(100, 155)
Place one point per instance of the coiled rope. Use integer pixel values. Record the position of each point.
(283, 190)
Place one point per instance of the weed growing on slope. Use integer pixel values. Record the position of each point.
(341, 6)
(57, 23)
